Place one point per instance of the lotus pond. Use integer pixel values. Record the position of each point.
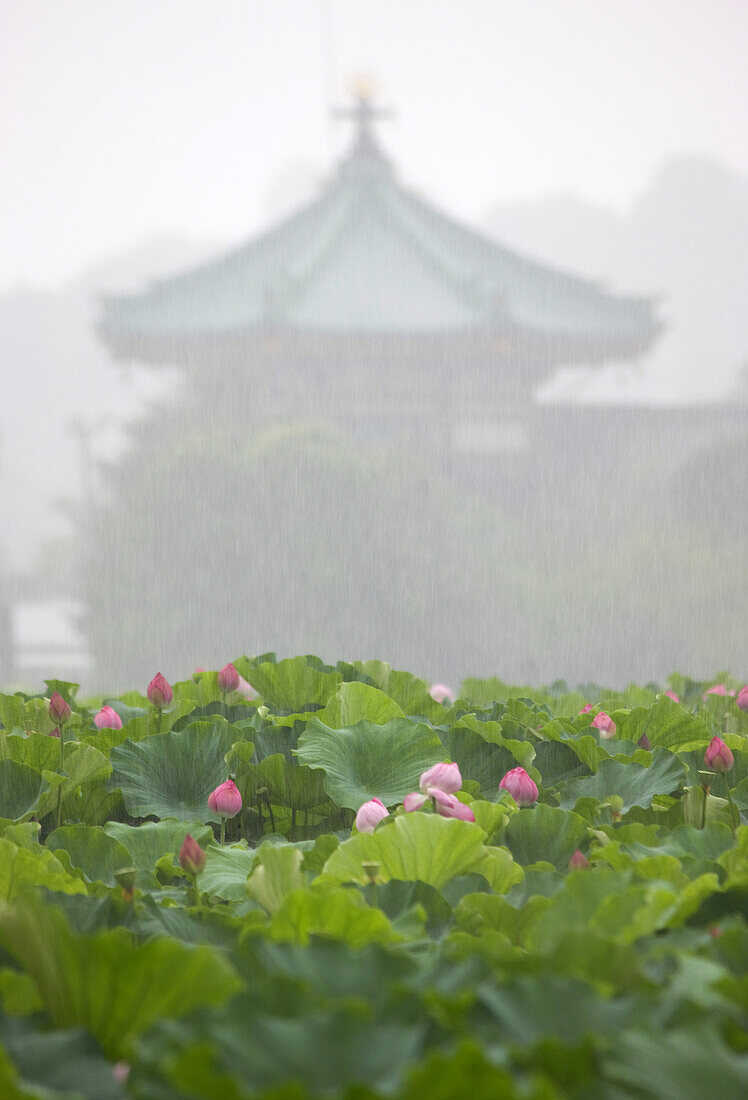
(289, 879)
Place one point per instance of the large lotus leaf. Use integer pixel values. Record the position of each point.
(544, 834)
(353, 702)
(65, 1064)
(96, 854)
(690, 1064)
(172, 774)
(522, 751)
(328, 910)
(83, 764)
(417, 847)
(366, 761)
(557, 762)
(226, 872)
(20, 787)
(633, 783)
(530, 1009)
(293, 684)
(485, 914)
(150, 842)
(277, 874)
(107, 983)
(18, 713)
(667, 724)
(22, 868)
(407, 690)
(37, 750)
(284, 782)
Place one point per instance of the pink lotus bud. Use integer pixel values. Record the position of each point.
(413, 801)
(718, 689)
(444, 776)
(449, 806)
(672, 695)
(718, 756)
(605, 725)
(587, 708)
(520, 786)
(196, 673)
(191, 856)
(440, 693)
(121, 1072)
(55, 732)
(59, 710)
(225, 800)
(578, 861)
(742, 699)
(370, 814)
(107, 719)
(644, 743)
(228, 678)
(159, 692)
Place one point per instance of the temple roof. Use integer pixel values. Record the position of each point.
(369, 257)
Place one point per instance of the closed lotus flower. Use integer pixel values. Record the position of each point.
(59, 710)
(718, 756)
(605, 725)
(449, 806)
(578, 861)
(444, 776)
(742, 699)
(225, 800)
(228, 678)
(520, 786)
(672, 695)
(587, 708)
(440, 693)
(159, 692)
(107, 719)
(191, 856)
(370, 814)
(717, 689)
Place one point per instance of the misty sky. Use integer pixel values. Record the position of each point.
(123, 119)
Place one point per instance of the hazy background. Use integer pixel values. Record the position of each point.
(605, 138)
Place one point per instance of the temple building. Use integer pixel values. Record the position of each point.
(372, 308)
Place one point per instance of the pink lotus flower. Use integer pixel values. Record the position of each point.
(191, 856)
(59, 710)
(718, 756)
(672, 695)
(449, 806)
(718, 689)
(107, 719)
(370, 814)
(228, 678)
(159, 692)
(225, 800)
(245, 689)
(413, 801)
(742, 699)
(444, 776)
(587, 708)
(578, 861)
(440, 693)
(644, 743)
(520, 786)
(605, 725)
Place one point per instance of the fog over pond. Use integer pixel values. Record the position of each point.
(446, 365)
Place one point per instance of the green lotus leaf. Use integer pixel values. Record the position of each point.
(292, 684)
(417, 847)
(355, 702)
(66, 1064)
(327, 910)
(480, 761)
(286, 782)
(276, 875)
(83, 764)
(107, 983)
(410, 693)
(633, 783)
(667, 724)
(89, 848)
(544, 834)
(529, 1009)
(226, 871)
(151, 841)
(690, 1064)
(367, 761)
(172, 774)
(20, 787)
(22, 868)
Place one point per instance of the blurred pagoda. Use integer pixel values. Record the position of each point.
(372, 308)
